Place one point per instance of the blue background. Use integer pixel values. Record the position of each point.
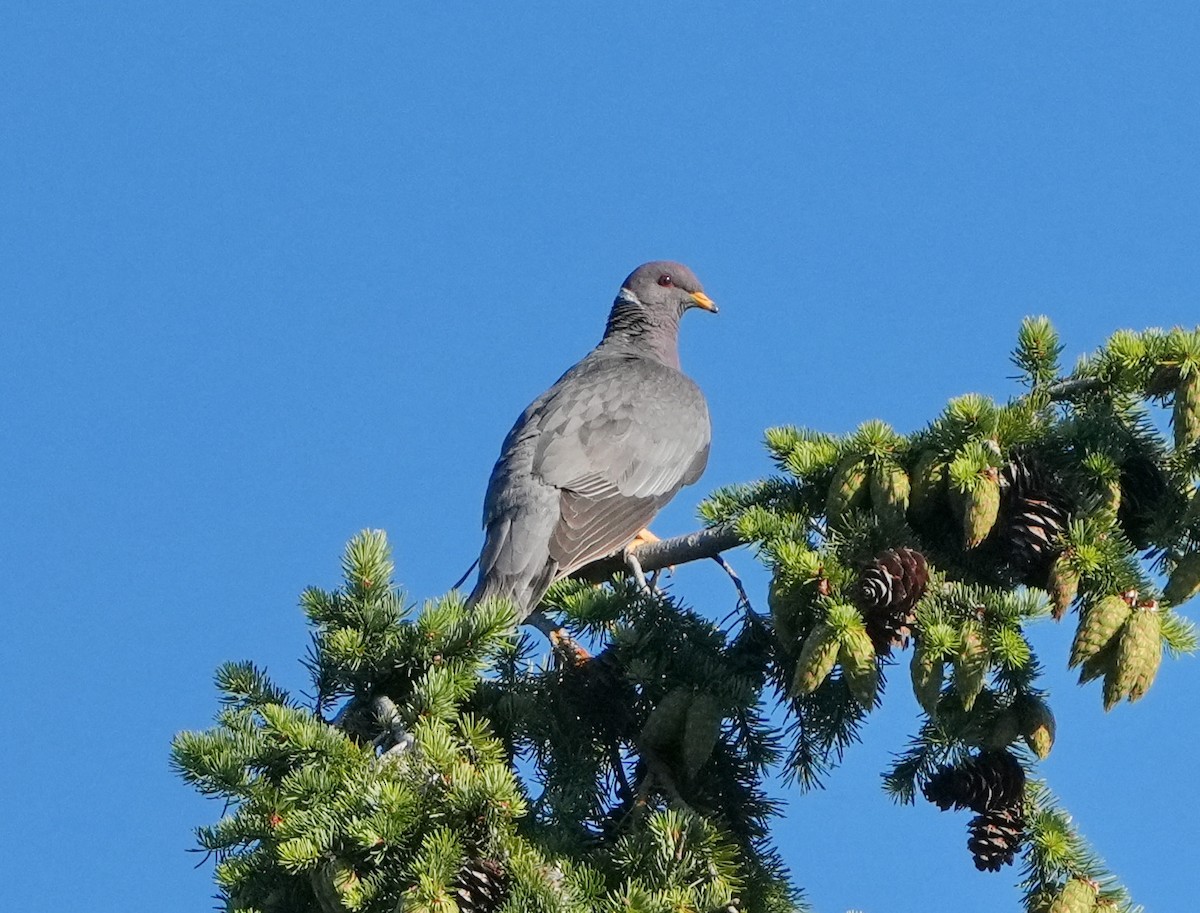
(272, 273)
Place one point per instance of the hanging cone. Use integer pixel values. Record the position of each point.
(700, 733)
(970, 663)
(1097, 626)
(1063, 585)
(664, 725)
(857, 655)
(481, 886)
(995, 836)
(928, 670)
(887, 593)
(1186, 415)
(1184, 582)
(991, 779)
(1035, 517)
(1111, 497)
(847, 491)
(979, 509)
(817, 659)
(337, 887)
(781, 600)
(1037, 724)
(1103, 663)
(1144, 486)
(1003, 729)
(928, 490)
(1139, 653)
(890, 489)
(1077, 896)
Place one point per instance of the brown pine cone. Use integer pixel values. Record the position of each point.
(995, 836)
(1034, 516)
(992, 779)
(887, 593)
(481, 886)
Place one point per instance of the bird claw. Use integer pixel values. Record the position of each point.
(635, 568)
(565, 647)
(644, 537)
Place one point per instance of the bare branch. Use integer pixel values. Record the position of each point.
(653, 556)
(1065, 389)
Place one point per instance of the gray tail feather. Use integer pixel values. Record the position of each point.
(525, 594)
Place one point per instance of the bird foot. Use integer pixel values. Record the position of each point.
(562, 644)
(566, 648)
(644, 537)
(635, 568)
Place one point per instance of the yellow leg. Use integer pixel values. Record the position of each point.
(643, 537)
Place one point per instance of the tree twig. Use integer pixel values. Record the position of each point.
(653, 556)
(1065, 389)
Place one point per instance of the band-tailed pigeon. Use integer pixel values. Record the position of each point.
(596, 456)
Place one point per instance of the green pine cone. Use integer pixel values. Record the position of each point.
(1112, 496)
(1186, 416)
(817, 659)
(1139, 652)
(979, 509)
(928, 670)
(701, 731)
(1077, 896)
(781, 602)
(890, 490)
(1184, 582)
(970, 664)
(857, 655)
(1063, 585)
(1101, 664)
(1097, 626)
(664, 726)
(928, 490)
(1112, 686)
(1037, 725)
(337, 887)
(848, 489)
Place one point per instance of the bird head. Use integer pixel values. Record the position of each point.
(665, 287)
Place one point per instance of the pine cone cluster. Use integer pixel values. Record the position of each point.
(888, 592)
(1121, 640)
(481, 886)
(993, 785)
(1035, 516)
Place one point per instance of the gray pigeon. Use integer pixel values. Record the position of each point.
(595, 457)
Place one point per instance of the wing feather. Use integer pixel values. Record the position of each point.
(618, 441)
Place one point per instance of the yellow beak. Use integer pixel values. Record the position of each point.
(703, 301)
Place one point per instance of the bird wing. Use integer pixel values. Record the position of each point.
(618, 438)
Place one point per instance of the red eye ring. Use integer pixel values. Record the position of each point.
(666, 281)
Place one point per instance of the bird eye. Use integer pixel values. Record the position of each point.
(665, 280)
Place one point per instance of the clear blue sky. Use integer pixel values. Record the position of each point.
(272, 273)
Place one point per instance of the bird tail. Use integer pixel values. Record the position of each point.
(523, 593)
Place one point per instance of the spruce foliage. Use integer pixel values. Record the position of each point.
(444, 764)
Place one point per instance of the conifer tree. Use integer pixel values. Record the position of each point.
(446, 763)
